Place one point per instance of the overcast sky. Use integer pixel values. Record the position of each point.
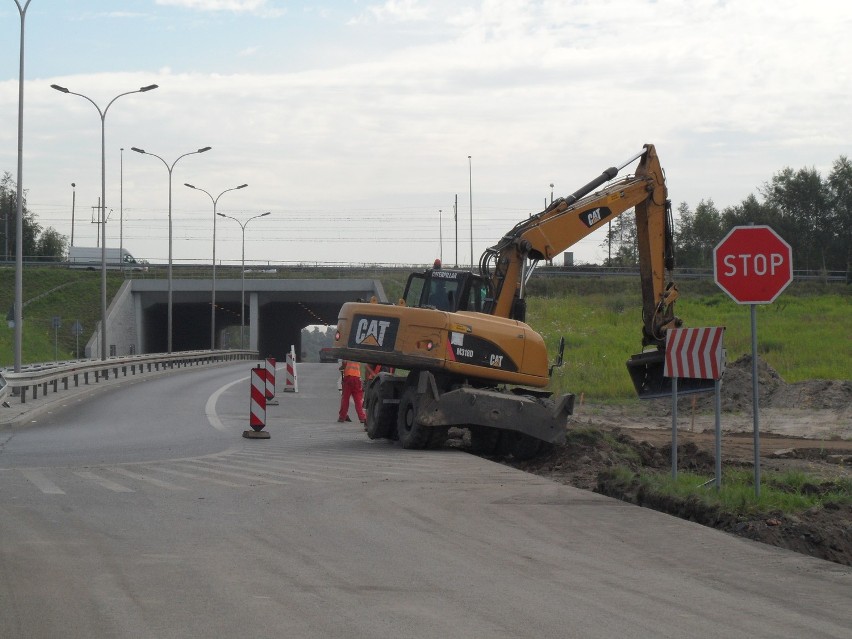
(352, 120)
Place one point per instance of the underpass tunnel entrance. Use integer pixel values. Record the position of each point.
(281, 324)
(275, 312)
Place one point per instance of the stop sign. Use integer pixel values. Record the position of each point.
(753, 264)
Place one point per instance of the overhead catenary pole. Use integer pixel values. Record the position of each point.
(440, 237)
(470, 189)
(73, 206)
(456, 220)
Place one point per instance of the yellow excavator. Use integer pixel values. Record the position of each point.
(472, 361)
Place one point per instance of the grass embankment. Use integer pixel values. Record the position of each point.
(788, 492)
(804, 334)
(640, 473)
(71, 295)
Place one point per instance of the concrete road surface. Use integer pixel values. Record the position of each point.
(142, 512)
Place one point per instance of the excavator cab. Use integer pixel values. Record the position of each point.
(446, 290)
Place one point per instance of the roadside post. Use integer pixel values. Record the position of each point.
(696, 353)
(257, 405)
(57, 323)
(291, 380)
(270, 382)
(753, 264)
(76, 331)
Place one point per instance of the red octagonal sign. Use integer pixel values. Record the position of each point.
(753, 264)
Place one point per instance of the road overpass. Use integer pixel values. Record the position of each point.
(275, 310)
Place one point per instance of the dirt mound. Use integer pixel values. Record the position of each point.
(773, 391)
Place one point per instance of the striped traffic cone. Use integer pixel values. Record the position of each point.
(291, 381)
(270, 382)
(257, 405)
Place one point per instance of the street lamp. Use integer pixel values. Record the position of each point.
(243, 273)
(213, 288)
(19, 228)
(169, 168)
(102, 114)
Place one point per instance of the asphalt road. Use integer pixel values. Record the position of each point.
(142, 512)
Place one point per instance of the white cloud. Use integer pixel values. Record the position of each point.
(239, 6)
(396, 11)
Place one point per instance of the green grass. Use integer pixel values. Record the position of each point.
(71, 295)
(805, 334)
(786, 492)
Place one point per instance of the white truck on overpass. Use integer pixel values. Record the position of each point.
(89, 257)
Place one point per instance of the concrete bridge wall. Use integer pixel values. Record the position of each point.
(275, 311)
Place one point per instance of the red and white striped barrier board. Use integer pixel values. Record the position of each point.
(257, 408)
(695, 353)
(270, 378)
(291, 381)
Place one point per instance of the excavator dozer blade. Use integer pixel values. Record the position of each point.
(646, 371)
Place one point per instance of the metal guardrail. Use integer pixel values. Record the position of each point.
(40, 376)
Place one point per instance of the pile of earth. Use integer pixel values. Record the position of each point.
(603, 438)
(773, 392)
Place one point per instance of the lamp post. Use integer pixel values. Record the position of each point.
(121, 211)
(243, 226)
(19, 228)
(213, 288)
(102, 114)
(170, 168)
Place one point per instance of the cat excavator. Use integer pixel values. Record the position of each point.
(471, 359)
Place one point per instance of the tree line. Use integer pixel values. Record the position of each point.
(47, 245)
(813, 214)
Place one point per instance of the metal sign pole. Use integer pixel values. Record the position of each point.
(755, 401)
(718, 403)
(674, 428)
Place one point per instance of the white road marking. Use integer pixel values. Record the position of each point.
(210, 406)
(41, 482)
(103, 482)
(151, 480)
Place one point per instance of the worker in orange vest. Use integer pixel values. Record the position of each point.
(351, 388)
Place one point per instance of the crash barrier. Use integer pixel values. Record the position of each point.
(291, 380)
(27, 382)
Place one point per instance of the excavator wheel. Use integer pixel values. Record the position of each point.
(380, 416)
(411, 434)
(484, 440)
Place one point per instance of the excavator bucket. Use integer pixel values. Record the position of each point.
(646, 371)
